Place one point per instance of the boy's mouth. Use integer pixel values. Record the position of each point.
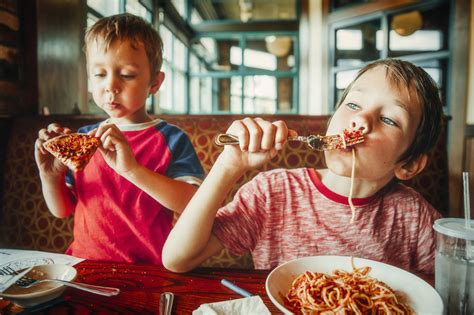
(111, 105)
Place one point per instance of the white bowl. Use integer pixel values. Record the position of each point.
(421, 296)
(42, 292)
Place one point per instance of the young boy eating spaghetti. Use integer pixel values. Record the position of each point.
(124, 199)
(285, 214)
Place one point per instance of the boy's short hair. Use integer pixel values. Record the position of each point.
(425, 91)
(130, 27)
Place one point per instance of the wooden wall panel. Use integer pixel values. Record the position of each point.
(18, 60)
(61, 63)
(9, 69)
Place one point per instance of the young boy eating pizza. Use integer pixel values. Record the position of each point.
(284, 214)
(123, 200)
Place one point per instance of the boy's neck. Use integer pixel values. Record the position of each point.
(341, 184)
(136, 118)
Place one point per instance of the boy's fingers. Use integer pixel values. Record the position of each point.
(39, 145)
(292, 133)
(55, 128)
(268, 136)
(103, 128)
(43, 134)
(104, 137)
(108, 144)
(92, 132)
(238, 129)
(281, 134)
(255, 134)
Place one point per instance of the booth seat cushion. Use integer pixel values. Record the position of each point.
(27, 223)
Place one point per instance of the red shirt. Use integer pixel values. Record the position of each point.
(115, 220)
(284, 214)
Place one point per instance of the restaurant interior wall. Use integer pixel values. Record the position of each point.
(18, 60)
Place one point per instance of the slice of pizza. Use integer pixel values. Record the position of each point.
(73, 149)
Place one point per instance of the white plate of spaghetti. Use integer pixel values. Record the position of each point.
(343, 283)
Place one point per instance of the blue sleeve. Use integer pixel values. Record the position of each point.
(88, 128)
(184, 160)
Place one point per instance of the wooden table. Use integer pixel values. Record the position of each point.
(141, 286)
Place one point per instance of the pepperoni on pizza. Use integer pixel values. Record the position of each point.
(74, 149)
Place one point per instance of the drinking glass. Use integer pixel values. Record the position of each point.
(454, 265)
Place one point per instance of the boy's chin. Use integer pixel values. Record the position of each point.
(340, 169)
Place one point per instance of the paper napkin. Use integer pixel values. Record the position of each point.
(250, 305)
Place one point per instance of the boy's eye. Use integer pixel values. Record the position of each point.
(127, 76)
(388, 121)
(99, 75)
(353, 106)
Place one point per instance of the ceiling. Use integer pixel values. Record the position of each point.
(246, 10)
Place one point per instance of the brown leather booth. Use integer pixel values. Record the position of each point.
(26, 223)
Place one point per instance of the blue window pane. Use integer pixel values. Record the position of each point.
(104, 7)
(136, 8)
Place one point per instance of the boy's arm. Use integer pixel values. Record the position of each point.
(191, 241)
(58, 196)
(171, 193)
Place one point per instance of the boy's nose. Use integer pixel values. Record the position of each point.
(112, 85)
(112, 90)
(360, 123)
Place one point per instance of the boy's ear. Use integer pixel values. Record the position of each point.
(156, 82)
(407, 170)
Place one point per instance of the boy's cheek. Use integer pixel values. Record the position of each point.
(335, 126)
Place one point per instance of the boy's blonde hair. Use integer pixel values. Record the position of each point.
(127, 27)
(422, 89)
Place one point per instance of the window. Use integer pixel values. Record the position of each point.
(248, 73)
(136, 8)
(173, 91)
(240, 60)
(103, 7)
(417, 33)
(181, 7)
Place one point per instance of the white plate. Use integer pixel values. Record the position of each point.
(421, 296)
(42, 292)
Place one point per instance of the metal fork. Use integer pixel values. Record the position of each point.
(314, 142)
(166, 303)
(5, 271)
(27, 282)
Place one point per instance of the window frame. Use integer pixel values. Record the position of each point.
(443, 56)
(243, 72)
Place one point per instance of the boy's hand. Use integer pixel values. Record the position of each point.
(115, 148)
(259, 142)
(48, 165)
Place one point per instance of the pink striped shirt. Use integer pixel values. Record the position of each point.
(285, 214)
